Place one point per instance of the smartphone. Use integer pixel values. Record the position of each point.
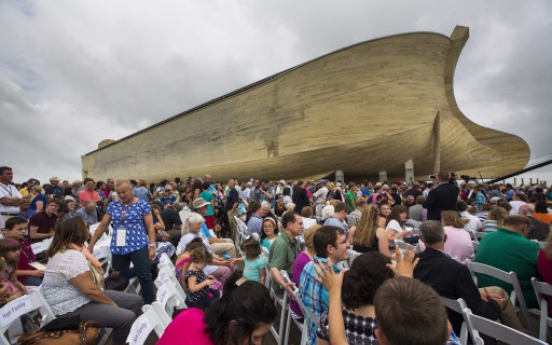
(432, 177)
(227, 257)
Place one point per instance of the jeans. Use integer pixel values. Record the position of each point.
(142, 269)
(32, 281)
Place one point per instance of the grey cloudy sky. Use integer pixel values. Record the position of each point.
(73, 73)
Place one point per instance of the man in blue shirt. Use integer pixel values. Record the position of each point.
(255, 223)
(340, 213)
(331, 246)
(88, 212)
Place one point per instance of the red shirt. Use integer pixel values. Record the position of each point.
(86, 195)
(26, 256)
(544, 265)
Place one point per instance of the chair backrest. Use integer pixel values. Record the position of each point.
(166, 272)
(479, 235)
(481, 325)
(265, 252)
(144, 325)
(164, 259)
(458, 305)
(507, 277)
(11, 312)
(168, 299)
(542, 290)
(40, 247)
(475, 246)
(184, 213)
(306, 312)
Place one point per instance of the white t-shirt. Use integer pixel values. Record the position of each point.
(9, 191)
(320, 195)
(393, 224)
(307, 223)
(475, 223)
(515, 206)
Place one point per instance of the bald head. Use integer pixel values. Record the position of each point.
(526, 210)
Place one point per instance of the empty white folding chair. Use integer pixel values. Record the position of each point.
(165, 260)
(168, 299)
(166, 272)
(542, 290)
(143, 326)
(458, 305)
(516, 295)
(480, 325)
(12, 311)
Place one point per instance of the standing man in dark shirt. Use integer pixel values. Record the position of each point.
(232, 206)
(300, 197)
(441, 198)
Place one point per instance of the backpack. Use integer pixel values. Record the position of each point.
(281, 206)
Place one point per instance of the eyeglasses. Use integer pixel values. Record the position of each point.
(344, 242)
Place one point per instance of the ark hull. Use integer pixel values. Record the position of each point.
(363, 109)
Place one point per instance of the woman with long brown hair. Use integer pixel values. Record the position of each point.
(72, 292)
(368, 235)
(395, 224)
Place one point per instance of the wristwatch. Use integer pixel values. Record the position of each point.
(153, 245)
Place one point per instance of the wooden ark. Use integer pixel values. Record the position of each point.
(362, 109)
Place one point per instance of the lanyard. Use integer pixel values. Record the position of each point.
(8, 190)
(124, 212)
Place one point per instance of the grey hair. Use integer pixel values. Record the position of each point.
(193, 218)
(432, 232)
(526, 210)
(266, 204)
(90, 202)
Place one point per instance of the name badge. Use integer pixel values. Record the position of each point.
(121, 238)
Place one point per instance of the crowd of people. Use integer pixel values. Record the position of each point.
(305, 228)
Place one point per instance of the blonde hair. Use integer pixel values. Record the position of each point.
(452, 218)
(367, 226)
(309, 236)
(498, 214)
(330, 186)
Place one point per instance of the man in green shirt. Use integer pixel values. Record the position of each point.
(351, 196)
(508, 249)
(284, 250)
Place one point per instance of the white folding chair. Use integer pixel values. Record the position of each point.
(291, 319)
(278, 335)
(507, 277)
(352, 255)
(265, 252)
(166, 272)
(184, 213)
(255, 236)
(496, 330)
(479, 235)
(542, 244)
(475, 246)
(40, 247)
(458, 305)
(145, 324)
(472, 235)
(308, 314)
(164, 259)
(10, 313)
(542, 290)
(168, 299)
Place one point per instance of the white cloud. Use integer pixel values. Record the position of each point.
(76, 73)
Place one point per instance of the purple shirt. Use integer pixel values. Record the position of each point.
(300, 261)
